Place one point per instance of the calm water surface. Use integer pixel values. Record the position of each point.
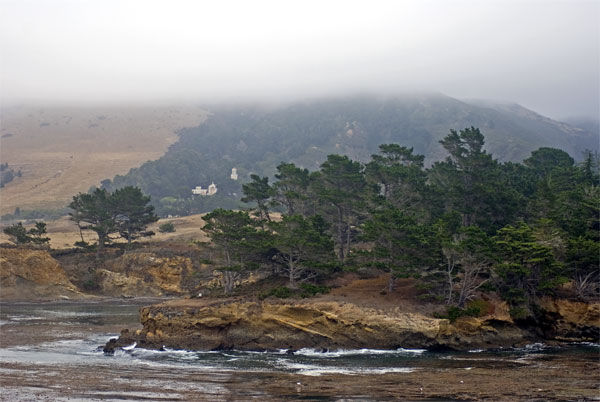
(51, 351)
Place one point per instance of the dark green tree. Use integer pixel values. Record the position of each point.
(260, 192)
(544, 160)
(399, 174)
(36, 235)
(17, 233)
(94, 211)
(38, 232)
(526, 268)
(472, 183)
(132, 213)
(236, 236)
(304, 250)
(291, 188)
(401, 244)
(340, 189)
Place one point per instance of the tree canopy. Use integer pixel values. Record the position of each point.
(465, 225)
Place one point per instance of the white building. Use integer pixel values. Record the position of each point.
(211, 190)
(234, 175)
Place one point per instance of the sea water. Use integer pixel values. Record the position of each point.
(54, 351)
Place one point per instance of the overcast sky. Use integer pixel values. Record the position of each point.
(541, 54)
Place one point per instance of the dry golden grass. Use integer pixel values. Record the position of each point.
(63, 233)
(64, 151)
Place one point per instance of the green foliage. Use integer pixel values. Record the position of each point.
(519, 313)
(474, 184)
(126, 211)
(19, 235)
(306, 290)
(90, 285)
(526, 268)
(280, 292)
(482, 306)
(400, 242)
(310, 290)
(242, 245)
(37, 233)
(544, 160)
(132, 213)
(301, 247)
(291, 189)
(453, 313)
(340, 188)
(167, 227)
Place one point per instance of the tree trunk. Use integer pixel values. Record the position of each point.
(100, 246)
(340, 235)
(391, 283)
(292, 273)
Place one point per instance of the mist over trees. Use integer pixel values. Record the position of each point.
(255, 140)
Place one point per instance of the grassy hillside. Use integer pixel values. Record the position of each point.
(62, 151)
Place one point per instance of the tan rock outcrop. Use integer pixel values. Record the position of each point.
(570, 320)
(253, 325)
(144, 274)
(27, 274)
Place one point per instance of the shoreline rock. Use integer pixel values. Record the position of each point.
(270, 326)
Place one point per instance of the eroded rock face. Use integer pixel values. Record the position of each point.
(570, 320)
(250, 325)
(144, 274)
(27, 274)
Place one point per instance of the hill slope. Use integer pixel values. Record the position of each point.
(255, 140)
(62, 151)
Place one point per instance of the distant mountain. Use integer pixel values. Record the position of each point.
(256, 140)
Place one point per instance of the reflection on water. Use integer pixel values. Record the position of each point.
(52, 349)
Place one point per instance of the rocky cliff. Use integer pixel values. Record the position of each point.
(567, 320)
(27, 274)
(144, 274)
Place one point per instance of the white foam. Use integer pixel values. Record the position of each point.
(357, 352)
(130, 347)
(317, 370)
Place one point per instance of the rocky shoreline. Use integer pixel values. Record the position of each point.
(356, 314)
(226, 324)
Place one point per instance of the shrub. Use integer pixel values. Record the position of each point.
(309, 290)
(281, 292)
(166, 228)
(453, 313)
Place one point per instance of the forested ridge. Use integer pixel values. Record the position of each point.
(465, 225)
(255, 140)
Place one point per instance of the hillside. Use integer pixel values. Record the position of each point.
(63, 151)
(256, 140)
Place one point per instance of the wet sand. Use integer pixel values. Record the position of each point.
(561, 379)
